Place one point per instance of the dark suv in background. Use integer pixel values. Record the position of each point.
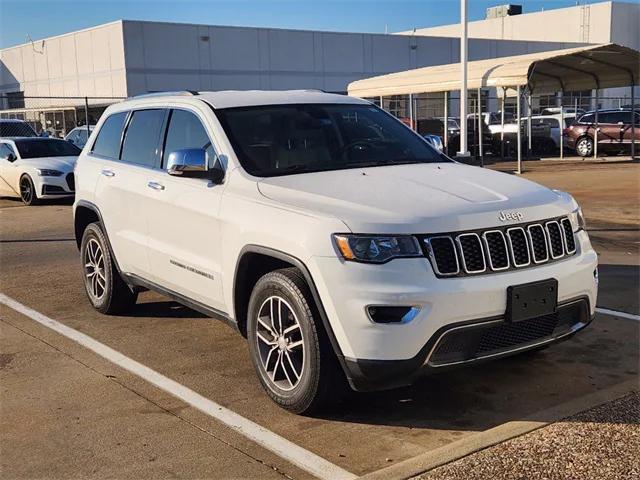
(614, 132)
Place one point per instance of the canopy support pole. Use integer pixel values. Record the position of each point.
(480, 146)
(528, 100)
(561, 127)
(412, 121)
(596, 128)
(633, 121)
(519, 131)
(464, 151)
(502, 105)
(446, 122)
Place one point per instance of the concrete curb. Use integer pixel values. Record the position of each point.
(454, 451)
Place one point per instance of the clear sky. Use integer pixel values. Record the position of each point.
(40, 19)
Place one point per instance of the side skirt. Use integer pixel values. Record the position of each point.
(136, 281)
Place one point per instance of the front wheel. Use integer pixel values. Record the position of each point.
(289, 347)
(28, 191)
(106, 290)
(584, 147)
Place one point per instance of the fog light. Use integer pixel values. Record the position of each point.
(387, 314)
(595, 276)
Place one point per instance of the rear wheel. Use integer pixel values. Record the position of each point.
(28, 191)
(289, 347)
(106, 290)
(584, 147)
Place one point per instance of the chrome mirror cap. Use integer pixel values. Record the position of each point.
(435, 141)
(187, 161)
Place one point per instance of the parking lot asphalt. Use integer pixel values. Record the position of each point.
(67, 412)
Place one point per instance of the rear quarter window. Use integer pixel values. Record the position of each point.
(107, 142)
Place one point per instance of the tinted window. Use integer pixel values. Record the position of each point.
(16, 129)
(588, 118)
(46, 147)
(186, 131)
(611, 117)
(141, 142)
(108, 141)
(287, 139)
(552, 122)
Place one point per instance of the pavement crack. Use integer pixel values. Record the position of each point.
(115, 380)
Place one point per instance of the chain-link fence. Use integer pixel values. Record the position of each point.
(55, 116)
(545, 125)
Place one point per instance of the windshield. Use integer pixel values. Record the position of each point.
(43, 147)
(285, 139)
(16, 129)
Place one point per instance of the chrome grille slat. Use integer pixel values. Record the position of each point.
(539, 243)
(437, 250)
(496, 249)
(568, 238)
(471, 253)
(501, 248)
(519, 247)
(556, 244)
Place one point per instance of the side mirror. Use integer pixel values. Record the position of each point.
(44, 134)
(192, 163)
(70, 140)
(10, 158)
(435, 141)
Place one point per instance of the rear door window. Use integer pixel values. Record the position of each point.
(141, 144)
(107, 143)
(186, 131)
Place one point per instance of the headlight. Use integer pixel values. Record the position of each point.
(45, 172)
(378, 248)
(577, 220)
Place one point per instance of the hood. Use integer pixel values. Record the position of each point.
(418, 198)
(64, 164)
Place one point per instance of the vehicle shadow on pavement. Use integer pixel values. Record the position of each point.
(162, 309)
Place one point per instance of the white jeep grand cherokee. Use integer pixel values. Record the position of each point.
(338, 241)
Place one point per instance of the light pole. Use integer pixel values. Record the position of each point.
(464, 152)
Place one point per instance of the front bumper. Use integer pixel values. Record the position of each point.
(386, 355)
(53, 187)
(472, 342)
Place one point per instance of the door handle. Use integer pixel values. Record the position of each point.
(155, 185)
(108, 173)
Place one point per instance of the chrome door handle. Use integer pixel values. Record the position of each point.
(108, 173)
(155, 185)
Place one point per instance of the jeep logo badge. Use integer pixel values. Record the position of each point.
(510, 216)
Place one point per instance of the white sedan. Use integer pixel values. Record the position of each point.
(37, 168)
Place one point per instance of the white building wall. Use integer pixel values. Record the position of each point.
(84, 63)
(166, 56)
(604, 22)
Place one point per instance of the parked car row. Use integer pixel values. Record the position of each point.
(571, 129)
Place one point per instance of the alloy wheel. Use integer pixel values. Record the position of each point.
(280, 343)
(94, 269)
(26, 191)
(584, 147)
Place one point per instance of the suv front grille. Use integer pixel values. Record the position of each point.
(499, 249)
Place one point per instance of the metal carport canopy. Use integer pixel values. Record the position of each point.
(582, 68)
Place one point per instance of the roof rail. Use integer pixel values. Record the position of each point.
(167, 94)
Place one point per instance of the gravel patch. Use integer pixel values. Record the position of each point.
(601, 443)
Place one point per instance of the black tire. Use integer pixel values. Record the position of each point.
(584, 147)
(106, 290)
(28, 191)
(321, 381)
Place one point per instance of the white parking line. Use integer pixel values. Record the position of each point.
(628, 316)
(282, 447)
